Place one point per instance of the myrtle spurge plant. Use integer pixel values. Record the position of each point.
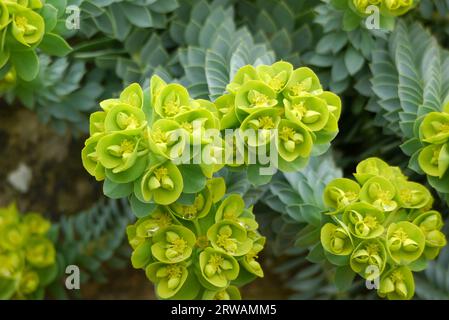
(145, 144)
(382, 226)
(27, 255)
(26, 25)
(291, 101)
(434, 156)
(202, 250)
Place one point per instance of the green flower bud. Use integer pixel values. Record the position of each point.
(172, 100)
(405, 242)
(303, 82)
(430, 224)
(173, 244)
(89, 157)
(294, 140)
(379, 192)
(156, 86)
(167, 138)
(363, 220)
(230, 237)
(435, 128)
(170, 279)
(132, 96)
(195, 123)
(226, 111)
(243, 75)
(309, 111)
(340, 193)
(120, 152)
(259, 127)
(336, 240)
(397, 284)
(214, 260)
(162, 183)
(413, 195)
(231, 208)
(275, 76)
(253, 96)
(27, 26)
(371, 167)
(369, 253)
(123, 117)
(250, 262)
(200, 207)
(434, 160)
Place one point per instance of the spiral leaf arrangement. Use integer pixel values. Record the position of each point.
(27, 255)
(380, 226)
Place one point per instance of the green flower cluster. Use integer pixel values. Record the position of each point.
(386, 7)
(202, 249)
(434, 134)
(27, 256)
(381, 225)
(147, 143)
(24, 26)
(291, 101)
(136, 139)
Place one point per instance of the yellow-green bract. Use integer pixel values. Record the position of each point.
(381, 225)
(202, 250)
(25, 26)
(27, 255)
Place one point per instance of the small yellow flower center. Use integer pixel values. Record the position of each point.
(435, 156)
(276, 83)
(127, 146)
(299, 110)
(290, 138)
(258, 99)
(21, 22)
(126, 121)
(174, 271)
(171, 108)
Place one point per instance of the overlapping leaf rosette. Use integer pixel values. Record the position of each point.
(287, 109)
(382, 227)
(26, 25)
(27, 255)
(357, 11)
(433, 157)
(203, 249)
